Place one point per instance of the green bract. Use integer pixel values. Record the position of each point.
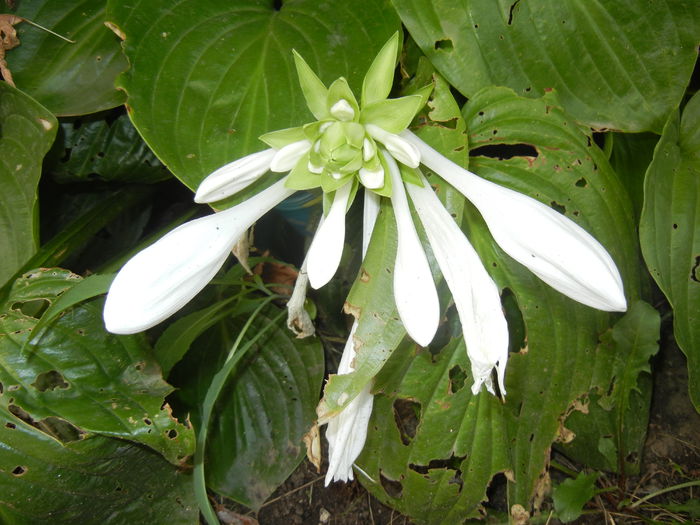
(342, 148)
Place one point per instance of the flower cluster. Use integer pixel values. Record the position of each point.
(367, 144)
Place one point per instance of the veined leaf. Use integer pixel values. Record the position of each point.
(618, 64)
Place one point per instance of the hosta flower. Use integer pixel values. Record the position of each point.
(365, 144)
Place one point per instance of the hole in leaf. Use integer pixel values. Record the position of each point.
(392, 488)
(2, 388)
(277, 4)
(599, 139)
(33, 308)
(19, 470)
(694, 273)
(11, 426)
(58, 428)
(49, 381)
(582, 183)
(445, 44)
(505, 151)
(496, 494)
(516, 324)
(172, 433)
(559, 207)
(675, 226)
(457, 378)
(147, 421)
(512, 9)
(407, 416)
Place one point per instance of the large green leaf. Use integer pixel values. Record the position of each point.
(27, 130)
(538, 150)
(77, 372)
(611, 423)
(620, 64)
(93, 481)
(68, 78)
(263, 412)
(434, 447)
(208, 77)
(670, 230)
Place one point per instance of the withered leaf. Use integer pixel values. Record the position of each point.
(8, 40)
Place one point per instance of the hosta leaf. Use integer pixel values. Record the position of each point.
(68, 78)
(434, 447)
(77, 372)
(98, 149)
(263, 412)
(27, 130)
(621, 64)
(617, 407)
(208, 77)
(535, 148)
(670, 230)
(96, 481)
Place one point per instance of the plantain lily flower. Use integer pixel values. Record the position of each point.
(366, 144)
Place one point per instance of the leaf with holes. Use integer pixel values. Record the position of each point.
(27, 130)
(619, 64)
(208, 77)
(531, 146)
(96, 481)
(78, 374)
(433, 446)
(611, 423)
(264, 411)
(68, 78)
(670, 230)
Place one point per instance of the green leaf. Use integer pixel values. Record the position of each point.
(68, 78)
(280, 138)
(617, 64)
(27, 131)
(263, 412)
(433, 447)
(92, 481)
(631, 155)
(394, 114)
(618, 406)
(570, 497)
(669, 230)
(98, 382)
(105, 150)
(379, 79)
(208, 77)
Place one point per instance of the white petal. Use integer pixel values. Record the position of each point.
(233, 177)
(327, 246)
(369, 218)
(368, 150)
(475, 294)
(286, 158)
(342, 110)
(554, 248)
(161, 279)
(402, 150)
(347, 431)
(414, 289)
(372, 179)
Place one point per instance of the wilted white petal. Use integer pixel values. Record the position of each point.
(287, 157)
(342, 110)
(369, 218)
(554, 248)
(414, 289)
(475, 294)
(372, 179)
(327, 246)
(298, 319)
(347, 431)
(402, 150)
(233, 177)
(161, 279)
